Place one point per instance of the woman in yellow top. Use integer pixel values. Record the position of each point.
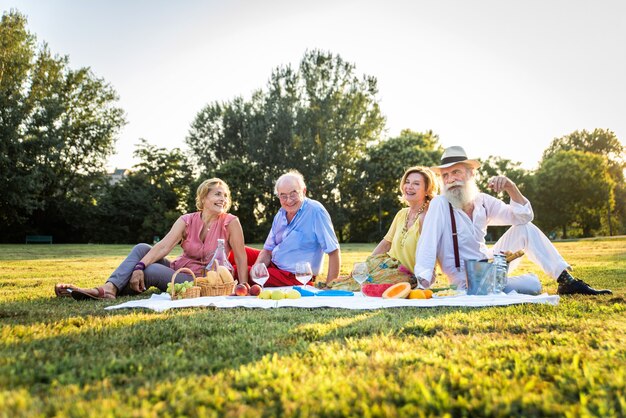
(393, 258)
(418, 186)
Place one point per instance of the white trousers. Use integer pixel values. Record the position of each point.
(539, 250)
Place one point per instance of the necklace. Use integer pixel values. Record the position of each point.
(405, 229)
(209, 224)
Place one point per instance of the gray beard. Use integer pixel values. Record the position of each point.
(462, 196)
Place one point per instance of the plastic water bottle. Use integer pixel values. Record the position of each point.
(219, 258)
(501, 269)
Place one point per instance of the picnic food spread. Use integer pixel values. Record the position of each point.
(279, 294)
(447, 292)
(220, 282)
(510, 256)
(375, 290)
(397, 291)
(179, 288)
(420, 294)
(225, 275)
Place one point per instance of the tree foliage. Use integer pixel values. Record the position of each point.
(602, 142)
(147, 202)
(18, 182)
(572, 188)
(497, 166)
(316, 118)
(374, 193)
(58, 127)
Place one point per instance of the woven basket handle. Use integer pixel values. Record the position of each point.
(183, 269)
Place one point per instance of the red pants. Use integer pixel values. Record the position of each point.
(277, 278)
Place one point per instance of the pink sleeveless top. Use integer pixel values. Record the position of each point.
(197, 253)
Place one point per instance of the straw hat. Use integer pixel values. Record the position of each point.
(454, 155)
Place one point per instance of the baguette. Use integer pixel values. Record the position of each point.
(512, 256)
(213, 278)
(225, 274)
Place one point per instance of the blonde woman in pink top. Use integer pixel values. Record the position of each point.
(197, 233)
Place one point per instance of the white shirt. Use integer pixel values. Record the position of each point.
(435, 243)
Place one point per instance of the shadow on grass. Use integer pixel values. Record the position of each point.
(50, 309)
(62, 341)
(80, 343)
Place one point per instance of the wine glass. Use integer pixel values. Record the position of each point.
(259, 274)
(303, 272)
(360, 272)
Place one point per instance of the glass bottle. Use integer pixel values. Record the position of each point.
(501, 268)
(219, 258)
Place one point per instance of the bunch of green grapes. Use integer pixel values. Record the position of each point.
(180, 288)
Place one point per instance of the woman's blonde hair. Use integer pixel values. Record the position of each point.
(431, 186)
(205, 188)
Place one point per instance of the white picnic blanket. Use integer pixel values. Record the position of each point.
(163, 302)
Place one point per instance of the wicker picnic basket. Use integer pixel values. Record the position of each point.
(222, 289)
(218, 288)
(192, 292)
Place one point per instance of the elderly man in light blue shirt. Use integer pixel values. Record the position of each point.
(302, 231)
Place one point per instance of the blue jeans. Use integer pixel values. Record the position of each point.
(158, 274)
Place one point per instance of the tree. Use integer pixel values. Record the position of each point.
(18, 182)
(572, 188)
(605, 143)
(497, 166)
(600, 141)
(374, 192)
(246, 197)
(147, 202)
(317, 118)
(58, 128)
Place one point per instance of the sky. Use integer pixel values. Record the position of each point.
(498, 77)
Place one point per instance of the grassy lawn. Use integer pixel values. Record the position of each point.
(68, 358)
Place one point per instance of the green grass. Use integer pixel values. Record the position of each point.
(65, 358)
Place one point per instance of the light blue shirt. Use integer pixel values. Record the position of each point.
(307, 237)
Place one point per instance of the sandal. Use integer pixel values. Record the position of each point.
(81, 294)
(63, 290)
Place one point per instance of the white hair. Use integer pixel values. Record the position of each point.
(291, 174)
(463, 195)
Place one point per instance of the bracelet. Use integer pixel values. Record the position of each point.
(140, 266)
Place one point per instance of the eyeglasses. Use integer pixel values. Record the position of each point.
(291, 195)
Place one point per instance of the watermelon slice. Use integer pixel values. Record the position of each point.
(375, 290)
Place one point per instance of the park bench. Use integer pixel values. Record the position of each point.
(37, 239)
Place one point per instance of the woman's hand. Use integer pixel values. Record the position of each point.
(136, 281)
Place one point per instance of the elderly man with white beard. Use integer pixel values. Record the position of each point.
(463, 209)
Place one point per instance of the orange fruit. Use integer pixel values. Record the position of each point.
(417, 294)
(428, 293)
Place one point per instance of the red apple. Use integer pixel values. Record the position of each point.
(241, 290)
(247, 286)
(255, 290)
